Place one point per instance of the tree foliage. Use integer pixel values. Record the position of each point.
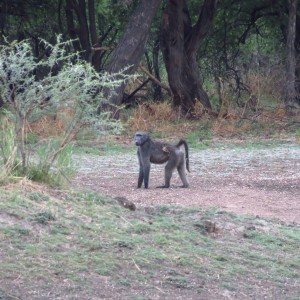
(242, 35)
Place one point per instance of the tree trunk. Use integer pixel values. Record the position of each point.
(95, 57)
(180, 43)
(130, 48)
(72, 30)
(157, 88)
(83, 30)
(86, 31)
(291, 59)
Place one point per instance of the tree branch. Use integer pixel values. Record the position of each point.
(203, 24)
(144, 70)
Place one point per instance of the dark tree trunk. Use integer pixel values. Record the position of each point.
(153, 68)
(72, 30)
(180, 42)
(297, 49)
(130, 48)
(157, 88)
(86, 31)
(95, 57)
(291, 59)
(83, 31)
(83, 28)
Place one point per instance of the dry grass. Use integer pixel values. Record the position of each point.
(162, 119)
(151, 114)
(231, 120)
(158, 117)
(51, 125)
(264, 121)
(269, 86)
(200, 112)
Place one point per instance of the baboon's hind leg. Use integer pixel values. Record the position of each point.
(169, 168)
(182, 173)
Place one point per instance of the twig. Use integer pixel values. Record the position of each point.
(160, 290)
(137, 266)
(120, 217)
(102, 48)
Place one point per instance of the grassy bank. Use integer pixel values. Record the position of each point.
(67, 245)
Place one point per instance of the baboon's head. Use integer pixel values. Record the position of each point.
(140, 138)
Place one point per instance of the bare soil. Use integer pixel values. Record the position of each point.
(262, 180)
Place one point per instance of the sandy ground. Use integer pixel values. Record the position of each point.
(263, 181)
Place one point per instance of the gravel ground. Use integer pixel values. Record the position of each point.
(263, 181)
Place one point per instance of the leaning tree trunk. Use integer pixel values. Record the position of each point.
(180, 43)
(130, 49)
(291, 59)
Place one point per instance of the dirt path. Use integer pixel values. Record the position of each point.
(264, 182)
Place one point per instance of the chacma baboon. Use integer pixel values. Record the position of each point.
(155, 152)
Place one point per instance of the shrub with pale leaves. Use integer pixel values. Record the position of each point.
(31, 86)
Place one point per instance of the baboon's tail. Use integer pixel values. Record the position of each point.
(186, 148)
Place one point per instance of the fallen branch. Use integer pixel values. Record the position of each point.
(128, 97)
(143, 69)
(102, 48)
(136, 265)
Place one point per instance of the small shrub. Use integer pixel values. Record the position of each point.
(69, 87)
(16, 231)
(178, 281)
(43, 217)
(31, 138)
(38, 197)
(8, 148)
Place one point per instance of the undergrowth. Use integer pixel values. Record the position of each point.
(61, 102)
(232, 121)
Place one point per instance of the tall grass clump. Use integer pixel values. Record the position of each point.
(160, 118)
(151, 116)
(8, 149)
(31, 87)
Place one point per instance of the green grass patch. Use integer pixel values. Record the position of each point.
(104, 148)
(200, 137)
